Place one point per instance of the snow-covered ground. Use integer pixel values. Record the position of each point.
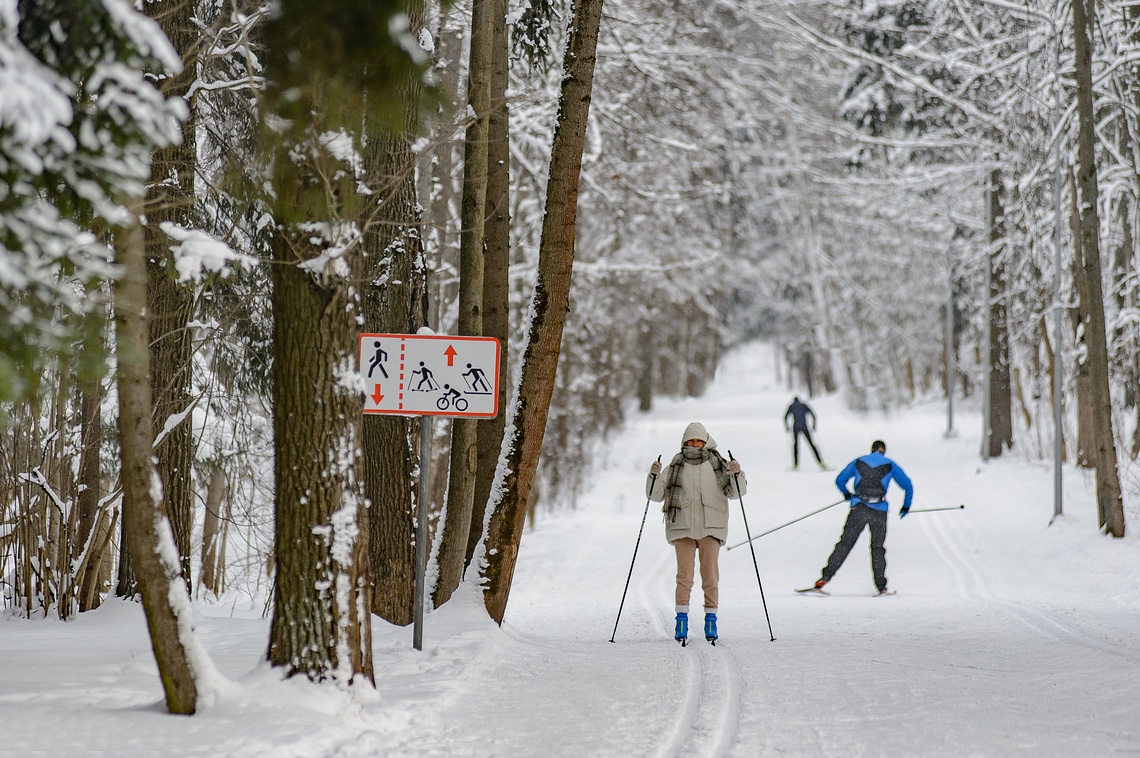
(1007, 635)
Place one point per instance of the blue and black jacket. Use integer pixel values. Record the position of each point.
(873, 473)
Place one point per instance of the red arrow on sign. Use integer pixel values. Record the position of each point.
(376, 396)
(450, 353)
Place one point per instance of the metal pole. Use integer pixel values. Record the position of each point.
(1057, 372)
(421, 532)
(932, 510)
(755, 565)
(652, 484)
(950, 357)
(781, 526)
(988, 359)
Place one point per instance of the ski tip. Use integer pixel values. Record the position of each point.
(813, 591)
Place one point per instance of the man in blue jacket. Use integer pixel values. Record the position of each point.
(872, 473)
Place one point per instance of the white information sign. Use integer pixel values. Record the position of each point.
(430, 375)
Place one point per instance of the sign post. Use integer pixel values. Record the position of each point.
(428, 375)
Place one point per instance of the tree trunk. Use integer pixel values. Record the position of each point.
(496, 269)
(646, 370)
(1085, 434)
(394, 302)
(548, 309)
(1000, 422)
(170, 198)
(91, 486)
(464, 450)
(321, 625)
(213, 535)
(1109, 498)
(151, 544)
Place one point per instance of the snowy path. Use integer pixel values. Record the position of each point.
(998, 642)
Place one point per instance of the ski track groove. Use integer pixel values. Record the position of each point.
(713, 682)
(972, 584)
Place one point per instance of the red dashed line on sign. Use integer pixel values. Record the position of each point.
(402, 344)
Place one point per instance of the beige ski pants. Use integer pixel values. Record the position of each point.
(687, 549)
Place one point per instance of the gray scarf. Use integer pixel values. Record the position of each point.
(694, 456)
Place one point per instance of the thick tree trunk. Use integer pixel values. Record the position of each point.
(496, 269)
(394, 302)
(156, 567)
(464, 439)
(321, 625)
(1000, 423)
(1109, 498)
(548, 308)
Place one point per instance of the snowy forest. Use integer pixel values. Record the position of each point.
(206, 202)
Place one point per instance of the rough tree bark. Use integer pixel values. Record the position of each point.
(170, 198)
(321, 625)
(394, 302)
(1109, 500)
(549, 306)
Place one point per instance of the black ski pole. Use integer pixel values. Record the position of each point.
(755, 565)
(652, 482)
(932, 510)
(781, 526)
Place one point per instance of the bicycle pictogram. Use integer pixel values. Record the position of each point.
(451, 397)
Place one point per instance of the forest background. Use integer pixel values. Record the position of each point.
(910, 198)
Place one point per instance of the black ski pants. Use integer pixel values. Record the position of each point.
(796, 446)
(859, 517)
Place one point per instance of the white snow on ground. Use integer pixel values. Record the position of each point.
(1007, 636)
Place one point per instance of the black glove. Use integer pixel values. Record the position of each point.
(903, 512)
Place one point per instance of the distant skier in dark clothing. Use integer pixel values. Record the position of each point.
(872, 473)
(799, 412)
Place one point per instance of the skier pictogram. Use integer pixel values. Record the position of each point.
(476, 380)
(426, 378)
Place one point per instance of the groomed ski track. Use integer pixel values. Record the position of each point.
(1002, 639)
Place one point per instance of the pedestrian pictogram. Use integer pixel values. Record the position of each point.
(430, 375)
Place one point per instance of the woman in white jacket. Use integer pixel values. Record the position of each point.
(695, 487)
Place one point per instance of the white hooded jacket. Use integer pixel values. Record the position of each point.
(703, 504)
